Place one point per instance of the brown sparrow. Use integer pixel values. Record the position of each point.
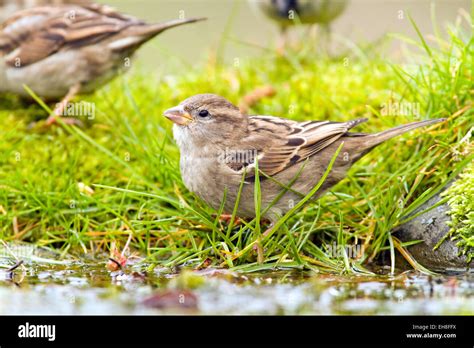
(9, 7)
(60, 51)
(291, 12)
(287, 13)
(219, 146)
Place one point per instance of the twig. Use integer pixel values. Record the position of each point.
(15, 266)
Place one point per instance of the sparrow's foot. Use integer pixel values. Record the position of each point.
(60, 107)
(53, 119)
(227, 218)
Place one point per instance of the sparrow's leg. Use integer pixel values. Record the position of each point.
(326, 39)
(282, 40)
(312, 32)
(258, 246)
(58, 111)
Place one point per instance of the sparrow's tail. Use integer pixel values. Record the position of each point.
(154, 29)
(136, 35)
(372, 140)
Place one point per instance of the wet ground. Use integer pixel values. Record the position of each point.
(47, 286)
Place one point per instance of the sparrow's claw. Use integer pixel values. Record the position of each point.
(227, 218)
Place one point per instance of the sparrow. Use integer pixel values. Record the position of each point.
(60, 51)
(291, 12)
(221, 147)
(287, 13)
(8, 7)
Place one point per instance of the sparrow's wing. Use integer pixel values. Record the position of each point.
(34, 34)
(280, 143)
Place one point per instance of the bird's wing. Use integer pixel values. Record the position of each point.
(34, 34)
(280, 143)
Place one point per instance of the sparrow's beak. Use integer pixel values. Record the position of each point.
(178, 115)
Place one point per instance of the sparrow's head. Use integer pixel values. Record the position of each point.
(207, 117)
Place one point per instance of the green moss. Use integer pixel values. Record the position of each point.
(461, 202)
(187, 280)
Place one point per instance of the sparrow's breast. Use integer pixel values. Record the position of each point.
(204, 173)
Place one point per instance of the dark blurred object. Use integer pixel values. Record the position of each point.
(182, 299)
(292, 12)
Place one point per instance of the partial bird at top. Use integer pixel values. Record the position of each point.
(9, 7)
(292, 12)
(60, 51)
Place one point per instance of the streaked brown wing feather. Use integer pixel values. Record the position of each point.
(35, 34)
(36, 48)
(282, 143)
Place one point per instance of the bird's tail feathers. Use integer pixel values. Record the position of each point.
(372, 140)
(153, 29)
(136, 35)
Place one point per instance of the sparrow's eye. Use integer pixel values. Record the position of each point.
(204, 113)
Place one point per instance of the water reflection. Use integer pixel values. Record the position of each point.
(91, 289)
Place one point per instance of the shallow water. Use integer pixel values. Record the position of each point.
(42, 287)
